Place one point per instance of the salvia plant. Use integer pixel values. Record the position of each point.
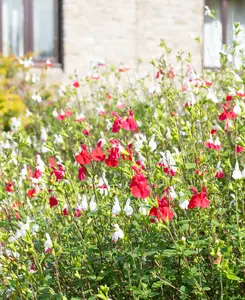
(124, 186)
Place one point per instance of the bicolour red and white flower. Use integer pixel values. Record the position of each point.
(48, 245)
(167, 162)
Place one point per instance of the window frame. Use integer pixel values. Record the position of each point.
(28, 28)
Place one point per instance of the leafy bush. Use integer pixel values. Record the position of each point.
(127, 191)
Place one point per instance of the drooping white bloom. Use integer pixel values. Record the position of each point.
(211, 96)
(92, 205)
(84, 203)
(183, 203)
(58, 139)
(155, 89)
(172, 192)
(243, 173)
(237, 174)
(152, 143)
(118, 234)
(48, 243)
(103, 185)
(108, 125)
(15, 123)
(128, 209)
(140, 140)
(116, 207)
(27, 77)
(168, 134)
(44, 135)
(143, 210)
(237, 109)
(24, 172)
(36, 97)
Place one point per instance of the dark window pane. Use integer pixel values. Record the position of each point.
(43, 28)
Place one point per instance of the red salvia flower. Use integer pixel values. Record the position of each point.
(97, 154)
(199, 200)
(130, 123)
(31, 193)
(9, 188)
(83, 158)
(139, 186)
(53, 201)
(82, 173)
(162, 212)
(239, 149)
(76, 84)
(227, 114)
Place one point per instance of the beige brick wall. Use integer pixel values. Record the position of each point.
(125, 30)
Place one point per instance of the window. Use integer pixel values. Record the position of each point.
(220, 31)
(31, 26)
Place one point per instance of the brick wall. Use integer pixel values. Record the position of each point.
(125, 30)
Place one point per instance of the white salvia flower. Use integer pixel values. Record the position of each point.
(28, 113)
(48, 243)
(44, 135)
(55, 113)
(62, 91)
(34, 229)
(152, 143)
(34, 78)
(155, 89)
(108, 125)
(243, 173)
(237, 109)
(128, 209)
(183, 204)
(116, 207)
(27, 77)
(118, 234)
(92, 205)
(168, 134)
(58, 139)
(211, 96)
(15, 123)
(84, 203)
(237, 174)
(103, 185)
(24, 172)
(172, 192)
(36, 97)
(143, 210)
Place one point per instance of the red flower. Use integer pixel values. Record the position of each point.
(9, 187)
(83, 158)
(112, 159)
(139, 186)
(37, 174)
(199, 200)
(76, 84)
(81, 173)
(162, 212)
(77, 213)
(228, 98)
(31, 193)
(53, 201)
(220, 174)
(65, 212)
(226, 114)
(59, 173)
(97, 154)
(238, 149)
(130, 123)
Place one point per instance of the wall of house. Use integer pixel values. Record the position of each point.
(126, 30)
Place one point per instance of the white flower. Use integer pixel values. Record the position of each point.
(92, 205)
(84, 203)
(211, 96)
(48, 243)
(172, 192)
(117, 234)
(34, 229)
(237, 174)
(152, 143)
(44, 135)
(143, 210)
(36, 97)
(207, 11)
(15, 123)
(237, 109)
(58, 139)
(103, 185)
(27, 77)
(168, 134)
(128, 209)
(183, 204)
(116, 207)
(155, 89)
(243, 173)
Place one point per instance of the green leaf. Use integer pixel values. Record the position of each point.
(190, 166)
